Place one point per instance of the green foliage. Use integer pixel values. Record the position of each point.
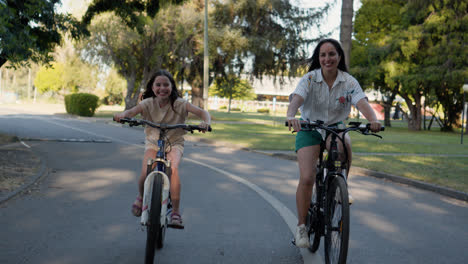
(114, 89)
(263, 110)
(72, 75)
(415, 49)
(131, 12)
(31, 29)
(264, 33)
(233, 88)
(79, 76)
(50, 79)
(82, 104)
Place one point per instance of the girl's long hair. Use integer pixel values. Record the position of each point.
(315, 61)
(149, 87)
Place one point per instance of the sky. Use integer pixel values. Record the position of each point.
(331, 22)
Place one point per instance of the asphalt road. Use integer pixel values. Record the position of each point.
(238, 206)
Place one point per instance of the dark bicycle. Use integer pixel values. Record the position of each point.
(156, 196)
(328, 213)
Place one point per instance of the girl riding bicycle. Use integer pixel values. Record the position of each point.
(325, 93)
(162, 104)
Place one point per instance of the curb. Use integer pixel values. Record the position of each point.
(29, 182)
(459, 195)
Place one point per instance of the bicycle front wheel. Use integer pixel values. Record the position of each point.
(337, 222)
(154, 222)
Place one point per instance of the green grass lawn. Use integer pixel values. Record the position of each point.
(271, 134)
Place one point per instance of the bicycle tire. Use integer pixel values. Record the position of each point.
(161, 235)
(154, 223)
(337, 222)
(313, 223)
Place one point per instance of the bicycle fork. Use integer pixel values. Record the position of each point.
(148, 190)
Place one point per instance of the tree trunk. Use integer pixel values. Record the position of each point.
(197, 93)
(346, 28)
(415, 118)
(132, 96)
(387, 103)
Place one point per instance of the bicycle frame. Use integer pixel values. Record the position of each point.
(327, 170)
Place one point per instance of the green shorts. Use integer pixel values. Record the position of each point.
(307, 138)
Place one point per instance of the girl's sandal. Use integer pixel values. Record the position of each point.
(176, 221)
(136, 207)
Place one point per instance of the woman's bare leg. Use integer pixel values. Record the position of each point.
(307, 159)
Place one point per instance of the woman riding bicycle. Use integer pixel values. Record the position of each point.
(325, 93)
(162, 104)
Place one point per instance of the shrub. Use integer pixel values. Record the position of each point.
(223, 107)
(235, 109)
(82, 104)
(263, 110)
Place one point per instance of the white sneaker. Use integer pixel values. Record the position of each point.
(350, 199)
(302, 238)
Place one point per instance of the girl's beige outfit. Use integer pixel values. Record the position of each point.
(165, 115)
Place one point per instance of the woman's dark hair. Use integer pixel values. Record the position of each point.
(315, 62)
(149, 87)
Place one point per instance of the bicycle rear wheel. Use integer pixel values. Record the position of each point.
(337, 222)
(313, 222)
(154, 222)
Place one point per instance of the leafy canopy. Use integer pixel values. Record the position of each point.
(31, 29)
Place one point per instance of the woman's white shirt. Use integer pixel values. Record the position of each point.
(329, 105)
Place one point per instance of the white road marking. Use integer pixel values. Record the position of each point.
(26, 145)
(284, 212)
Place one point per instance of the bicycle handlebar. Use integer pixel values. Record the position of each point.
(353, 126)
(138, 122)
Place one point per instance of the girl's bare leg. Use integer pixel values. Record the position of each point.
(175, 156)
(149, 154)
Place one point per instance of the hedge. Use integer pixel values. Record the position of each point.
(82, 104)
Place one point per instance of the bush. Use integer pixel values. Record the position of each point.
(263, 110)
(82, 104)
(235, 109)
(223, 107)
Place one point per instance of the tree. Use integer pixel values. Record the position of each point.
(232, 87)
(423, 51)
(346, 28)
(254, 37)
(264, 34)
(130, 40)
(373, 58)
(31, 29)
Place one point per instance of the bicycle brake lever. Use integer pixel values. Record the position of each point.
(372, 134)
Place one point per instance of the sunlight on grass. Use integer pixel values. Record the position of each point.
(450, 172)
